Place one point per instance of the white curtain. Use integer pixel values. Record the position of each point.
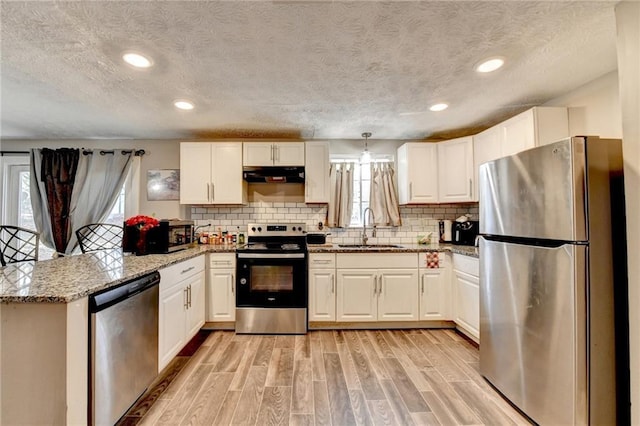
(383, 199)
(99, 180)
(341, 195)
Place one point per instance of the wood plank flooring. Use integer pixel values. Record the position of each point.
(355, 377)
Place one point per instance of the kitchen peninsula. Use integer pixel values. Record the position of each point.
(44, 317)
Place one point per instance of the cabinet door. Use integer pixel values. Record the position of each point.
(172, 324)
(257, 154)
(398, 294)
(195, 311)
(195, 173)
(418, 173)
(357, 299)
(289, 154)
(221, 297)
(486, 147)
(322, 295)
(316, 182)
(227, 186)
(455, 170)
(518, 133)
(433, 294)
(467, 302)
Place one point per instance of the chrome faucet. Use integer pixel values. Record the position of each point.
(364, 225)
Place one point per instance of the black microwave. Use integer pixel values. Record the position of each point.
(167, 237)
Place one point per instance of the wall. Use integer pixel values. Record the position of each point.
(628, 43)
(594, 108)
(160, 154)
(415, 220)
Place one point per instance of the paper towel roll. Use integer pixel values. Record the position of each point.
(447, 231)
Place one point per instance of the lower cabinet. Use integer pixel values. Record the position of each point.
(365, 294)
(435, 291)
(221, 286)
(181, 307)
(466, 289)
(322, 287)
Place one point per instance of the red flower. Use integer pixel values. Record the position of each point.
(143, 222)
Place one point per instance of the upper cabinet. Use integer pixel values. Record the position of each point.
(211, 173)
(316, 183)
(417, 173)
(455, 170)
(257, 154)
(534, 127)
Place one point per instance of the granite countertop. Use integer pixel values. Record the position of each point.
(403, 248)
(66, 279)
(70, 278)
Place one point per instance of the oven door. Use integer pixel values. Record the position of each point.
(271, 280)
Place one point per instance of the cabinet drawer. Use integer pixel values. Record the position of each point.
(322, 260)
(468, 264)
(377, 260)
(222, 260)
(173, 274)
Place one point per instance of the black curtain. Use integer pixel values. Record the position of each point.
(58, 172)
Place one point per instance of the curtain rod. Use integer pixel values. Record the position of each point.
(137, 152)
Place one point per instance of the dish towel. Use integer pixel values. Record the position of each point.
(432, 260)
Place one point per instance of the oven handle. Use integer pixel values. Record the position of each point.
(271, 256)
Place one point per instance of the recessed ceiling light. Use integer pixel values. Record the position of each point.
(490, 65)
(137, 60)
(182, 104)
(438, 107)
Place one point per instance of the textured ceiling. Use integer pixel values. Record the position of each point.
(308, 69)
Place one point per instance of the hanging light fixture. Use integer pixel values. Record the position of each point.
(365, 157)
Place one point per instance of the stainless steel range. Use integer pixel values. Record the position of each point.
(271, 280)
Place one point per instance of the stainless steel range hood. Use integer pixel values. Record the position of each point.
(273, 174)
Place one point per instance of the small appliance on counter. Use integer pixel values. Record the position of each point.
(465, 233)
(169, 236)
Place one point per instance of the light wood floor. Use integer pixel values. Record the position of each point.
(398, 377)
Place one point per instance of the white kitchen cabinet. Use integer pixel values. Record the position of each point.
(316, 183)
(322, 287)
(220, 293)
(417, 173)
(377, 287)
(486, 147)
(181, 310)
(455, 170)
(466, 282)
(211, 173)
(357, 298)
(435, 291)
(273, 154)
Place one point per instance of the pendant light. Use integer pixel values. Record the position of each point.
(365, 157)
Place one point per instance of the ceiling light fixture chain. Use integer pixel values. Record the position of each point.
(365, 158)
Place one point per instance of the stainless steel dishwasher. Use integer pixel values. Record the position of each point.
(123, 338)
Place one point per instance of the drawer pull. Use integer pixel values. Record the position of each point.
(184, 271)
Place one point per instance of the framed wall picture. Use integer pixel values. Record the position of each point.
(163, 185)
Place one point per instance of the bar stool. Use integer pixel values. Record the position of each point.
(18, 244)
(99, 236)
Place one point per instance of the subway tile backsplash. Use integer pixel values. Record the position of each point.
(416, 220)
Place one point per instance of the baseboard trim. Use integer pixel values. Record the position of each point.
(379, 325)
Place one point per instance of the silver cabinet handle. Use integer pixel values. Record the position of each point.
(333, 284)
(184, 271)
(410, 190)
(233, 286)
(423, 283)
(321, 261)
(470, 188)
(208, 192)
(380, 289)
(213, 192)
(272, 158)
(186, 297)
(189, 295)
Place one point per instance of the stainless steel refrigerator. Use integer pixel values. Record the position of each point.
(553, 282)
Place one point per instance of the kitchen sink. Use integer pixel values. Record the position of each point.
(373, 246)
